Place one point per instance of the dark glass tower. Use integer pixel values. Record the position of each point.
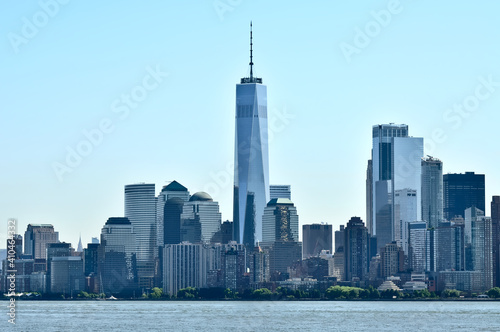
(251, 164)
(461, 191)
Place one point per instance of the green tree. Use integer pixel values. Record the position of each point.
(262, 294)
(156, 293)
(494, 292)
(450, 293)
(187, 293)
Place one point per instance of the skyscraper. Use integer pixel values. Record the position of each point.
(405, 211)
(251, 164)
(173, 189)
(315, 238)
(140, 209)
(495, 224)
(461, 191)
(280, 191)
(356, 250)
(417, 243)
(117, 256)
(36, 239)
(396, 159)
(432, 191)
(200, 219)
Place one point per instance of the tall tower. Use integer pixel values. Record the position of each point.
(461, 191)
(396, 165)
(432, 191)
(251, 159)
(140, 209)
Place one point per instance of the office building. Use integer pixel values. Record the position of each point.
(280, 191)
(66, 275)
(432, 191)
(392, 260)
(405, 211)
(356, 250)
(117, 262)
(316, 238)
(200, 219)
(251, 164)
(140, 209)
(173, 189)
(417, 244)
(450, 247)
(90, 258)
(396, 165)
(462, 191)
(369, 196)
(36, 239)
(495, 242)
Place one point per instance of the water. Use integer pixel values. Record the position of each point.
(253, 316)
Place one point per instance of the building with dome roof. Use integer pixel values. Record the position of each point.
(200, 219)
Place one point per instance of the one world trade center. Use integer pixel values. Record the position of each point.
(251, 158)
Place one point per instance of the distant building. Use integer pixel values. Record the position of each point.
(316, 238)
(36, 239)
(462, 191)
(95, 240)
(405, 211)
(432, 191)
(495, 225)
(280, 191)
(450, 247)
(200, 219)
(391, 260)
(117, 257)
(417, 246)
(56, 250)
(173, 189)
(67, 275)
(280, 234)
(395, 165)
(90, 258)
(140, 209)
(259, 266)
(173, 208)
(356, 250)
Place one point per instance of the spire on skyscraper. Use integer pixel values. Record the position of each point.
(251, 79)
(80, 247)
(251, 52)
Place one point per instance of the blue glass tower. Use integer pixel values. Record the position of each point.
(251, 160)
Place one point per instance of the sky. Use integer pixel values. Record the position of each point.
(96, 95)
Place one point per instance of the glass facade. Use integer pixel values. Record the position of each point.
(461, 191)
(251, 170)
(200, 219)
(396, 165)
(280, 222)
(405, 211)
(432, 191)
(140, 209)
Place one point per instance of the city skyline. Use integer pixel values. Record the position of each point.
(144, 148)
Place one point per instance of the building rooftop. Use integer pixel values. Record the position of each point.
(201, 196)
(118, 221)
(174, 186)
(280, 201)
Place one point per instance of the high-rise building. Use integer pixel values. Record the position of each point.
(173, 189)
(62, 249)
(356, 250)
(432, 191)
(482, 251)
(471, 215)
(450, 247)
(280, 234)
(36, 239)
(200, 219)
(184, 265)
(90, 258)
(280, 191)
(315, 238)
(417, 243)
(392, 260)
(259, 266)
(140, 209)
(461, 191)
(251, 164)
(117, 256)
(405, 211)
(495, 225)
(67, 275)
(369, 196)
(395, 165)
(172, 212)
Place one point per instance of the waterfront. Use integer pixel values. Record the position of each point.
(255, 316)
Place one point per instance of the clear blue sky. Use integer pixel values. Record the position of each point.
(68, 75)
